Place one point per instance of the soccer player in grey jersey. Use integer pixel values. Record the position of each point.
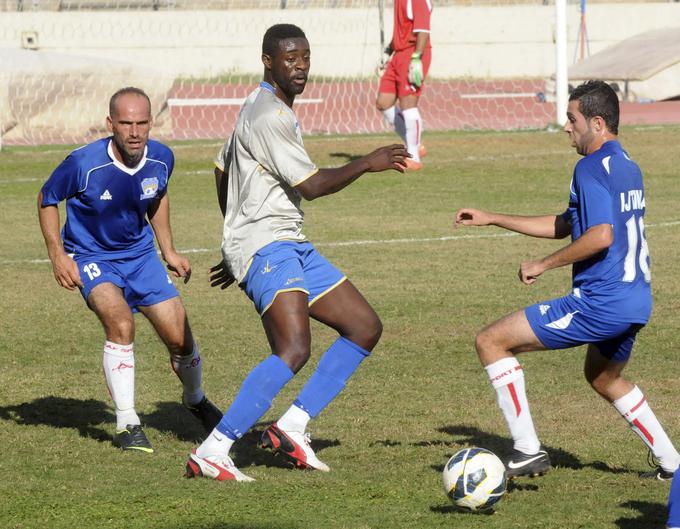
(262, 174)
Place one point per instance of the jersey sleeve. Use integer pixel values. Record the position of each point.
(222, 159)
(421, 16)
(66, 180)
(168, 158)
(274, 144)
(594, 197)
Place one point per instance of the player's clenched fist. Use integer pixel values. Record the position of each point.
(388, 157)
(472, 217)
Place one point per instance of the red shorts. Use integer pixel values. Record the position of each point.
(395, 78)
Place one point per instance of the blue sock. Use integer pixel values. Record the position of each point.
(674, 502)
(255, 396)
(335, 367)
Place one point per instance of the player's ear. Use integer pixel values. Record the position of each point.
(109, 123)
(599, 124)
(267, 61)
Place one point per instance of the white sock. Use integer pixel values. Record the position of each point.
(507, 378)
(216, 444)
(394, 117)
(634, 408)
(119, 370)
(294, 420)
(188, 369)
(414, 128)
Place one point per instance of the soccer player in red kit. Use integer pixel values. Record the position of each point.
(405, 73)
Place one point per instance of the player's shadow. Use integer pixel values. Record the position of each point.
(93, 419)
(471, 436)
(230, 525)
(247, 451)
(85, 416)
(174, 417)
(345, 155)
(650, 515)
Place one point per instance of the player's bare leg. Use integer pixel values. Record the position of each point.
(108, 303)
(344, 309)
(496, 346)
(604, 375)
(170, 321)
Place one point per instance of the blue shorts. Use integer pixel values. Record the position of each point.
(143, 279)
(285, 266)
(571, 320)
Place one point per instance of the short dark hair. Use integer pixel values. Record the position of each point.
(125, 91)
(277, 33)
(597, 98)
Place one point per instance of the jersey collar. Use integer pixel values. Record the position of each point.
(123, 167)
(267, 86)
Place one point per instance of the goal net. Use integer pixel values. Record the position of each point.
(198, 59)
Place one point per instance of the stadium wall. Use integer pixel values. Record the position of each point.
(474, 42)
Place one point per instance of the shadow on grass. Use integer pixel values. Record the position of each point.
(248, 451)
(347, 156)
(87, 416)
(471, 436)
(59, 412)
(231, 525)
(651, 515)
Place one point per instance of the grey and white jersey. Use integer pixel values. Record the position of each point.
(264, 160)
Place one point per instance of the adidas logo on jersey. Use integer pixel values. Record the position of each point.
(106, 196)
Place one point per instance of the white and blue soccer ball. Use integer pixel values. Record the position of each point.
(474, 479)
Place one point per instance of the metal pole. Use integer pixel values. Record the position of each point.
(561, 75)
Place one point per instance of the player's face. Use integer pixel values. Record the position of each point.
(130, 125)
(290, 66)
(579, 129)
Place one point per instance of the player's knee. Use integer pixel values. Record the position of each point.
(367, 334)
(294, 357)
(121, 330)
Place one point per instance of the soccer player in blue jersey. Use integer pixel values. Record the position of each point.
(610, 301)
(263, 172)
(116, 200)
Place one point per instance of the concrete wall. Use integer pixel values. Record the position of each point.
(480, 42)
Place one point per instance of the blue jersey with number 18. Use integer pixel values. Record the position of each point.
(607, 188)
(107, 202)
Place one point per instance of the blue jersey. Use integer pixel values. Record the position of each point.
(107, 202)
(607, 189)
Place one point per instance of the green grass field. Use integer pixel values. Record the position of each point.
(419, 398)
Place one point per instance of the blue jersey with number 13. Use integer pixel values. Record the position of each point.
(107, 202)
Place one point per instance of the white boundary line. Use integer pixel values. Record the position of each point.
(365, 242)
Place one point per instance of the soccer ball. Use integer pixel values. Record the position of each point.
(474, 479)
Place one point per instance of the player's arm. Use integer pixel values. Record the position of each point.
(596, 239)
(422, 38)
(64, 268)
(329, 181)
(159, 217)
(546, 226)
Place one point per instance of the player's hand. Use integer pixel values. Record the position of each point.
(388, 157)
(472, 217)
(66, 272)
(529, 271)
(178, 265)
(415, 70)
(220, 276)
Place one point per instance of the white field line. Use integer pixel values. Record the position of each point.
(365, 242)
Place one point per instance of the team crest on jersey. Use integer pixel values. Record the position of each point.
(149, 188)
